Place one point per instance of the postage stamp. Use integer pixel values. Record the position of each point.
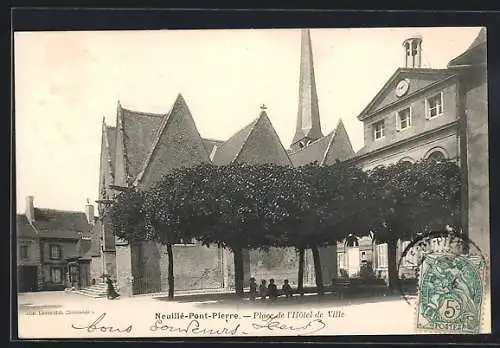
(450, 293)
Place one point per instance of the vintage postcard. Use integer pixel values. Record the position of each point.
(242, 183)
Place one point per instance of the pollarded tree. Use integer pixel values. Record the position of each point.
(326, 201)
(407, 199)
(231, 206)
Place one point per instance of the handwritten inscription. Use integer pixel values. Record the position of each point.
(194, 327)
(96, 326)
(274, 324)
(295, 322)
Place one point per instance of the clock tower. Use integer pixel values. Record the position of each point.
(308, 124)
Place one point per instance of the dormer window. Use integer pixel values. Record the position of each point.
(403, 119)
(379, 130)
(434, 106)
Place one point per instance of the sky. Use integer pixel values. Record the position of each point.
(67, 82)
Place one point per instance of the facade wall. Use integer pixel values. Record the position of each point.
(276, 263)
(419, 123)
(109, 263)
(418, 81)
(33, 249)
(446, 143)
(50, 267)
(124, 276)
(477, 162)
(195, 267)
(96, 269)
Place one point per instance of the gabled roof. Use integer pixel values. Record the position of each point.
(326, 150)
(313, 152)
(52, 223)
(475, 54)
(24, 228)
(433, 76)
(257, 143)
(177, 132)
(210, 143)
(139, 130)
(228, 151)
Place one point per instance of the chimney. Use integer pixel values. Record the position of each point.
(413, 52)
(89, 212)
(30, 209)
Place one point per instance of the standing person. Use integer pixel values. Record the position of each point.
(111, 293)
(263, 289)
(272, 290)
(287, 289)
(253, 289)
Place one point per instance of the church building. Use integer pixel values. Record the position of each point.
(418, 113)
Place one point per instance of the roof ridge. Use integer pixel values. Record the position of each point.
(252, 124)
(143, 113)
(279, 140)
(154, 144)
(108, 151)
(163, 126)
(333, 133)
(392, 78)
(121, 129)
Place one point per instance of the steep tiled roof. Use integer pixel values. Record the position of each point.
(228, 151)
(210, 143)
(480, 38)
(256, 143)
(475, 54)
(52, 223)
(326, 150)
(24, 228)
(176, 144)
(140, 129)
(313, 152)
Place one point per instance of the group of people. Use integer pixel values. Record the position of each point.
(270, 290)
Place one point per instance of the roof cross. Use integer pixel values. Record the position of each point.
(263, 107)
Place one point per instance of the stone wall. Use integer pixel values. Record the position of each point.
(124, 269)
(96, 268)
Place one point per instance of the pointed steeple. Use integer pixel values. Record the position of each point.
(308, 122)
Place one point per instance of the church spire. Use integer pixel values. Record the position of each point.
(308, 122)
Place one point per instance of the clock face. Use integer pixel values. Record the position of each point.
(402, 87)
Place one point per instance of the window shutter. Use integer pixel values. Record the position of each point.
(398, 123)
(427, 110)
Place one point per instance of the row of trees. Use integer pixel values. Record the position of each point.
(241, 206)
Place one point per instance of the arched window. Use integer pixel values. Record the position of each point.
(436, 156)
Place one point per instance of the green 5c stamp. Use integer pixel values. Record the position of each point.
(450, 294)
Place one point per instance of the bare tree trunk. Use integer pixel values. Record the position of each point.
(392, 264)
(171, 284)
(238, 271)
(317, 270)
(300, 286)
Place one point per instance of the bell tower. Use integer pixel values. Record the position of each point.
(308, 123)
(413, 52)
